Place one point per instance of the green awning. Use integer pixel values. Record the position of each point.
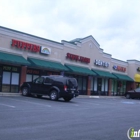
(14, 59)
(104, 74)
(47, 64)
(81, 70)
(123, 77)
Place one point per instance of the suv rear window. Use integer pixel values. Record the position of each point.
(72, 82)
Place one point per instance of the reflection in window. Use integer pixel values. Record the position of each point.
(39, 80)
(79, 83)
(35, 76)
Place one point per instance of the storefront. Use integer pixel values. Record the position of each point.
(24, 57)
(10, 71)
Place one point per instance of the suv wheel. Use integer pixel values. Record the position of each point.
(128, 96)
(67, 99)
(25, 91)
(54, 95)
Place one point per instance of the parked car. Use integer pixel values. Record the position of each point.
(133, 93)
(54, 86)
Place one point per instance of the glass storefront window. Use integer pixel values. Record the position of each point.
(79, 83)
(6, 78)
(103, 85)
(28, 77)
(35, 76)
(106, 85)
(15, 79)
(84, 83)
(95, 84)
(99, 85)
(114, 87)
(10, 79)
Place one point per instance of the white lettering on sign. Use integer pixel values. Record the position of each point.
(101, 63)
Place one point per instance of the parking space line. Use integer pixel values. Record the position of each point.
(75, 105)
(91, 103)
(31, 102)
(8, 105)
(37, 104)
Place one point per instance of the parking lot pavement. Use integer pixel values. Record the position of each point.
(28, 118)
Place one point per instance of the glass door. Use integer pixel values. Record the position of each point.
(10, 79)
(99, 85)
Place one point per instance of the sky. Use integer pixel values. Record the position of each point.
(115, 24)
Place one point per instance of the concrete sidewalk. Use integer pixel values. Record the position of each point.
(96, 97)
(9, 94)
(80, 96)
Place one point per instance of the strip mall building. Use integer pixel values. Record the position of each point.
(23, 57)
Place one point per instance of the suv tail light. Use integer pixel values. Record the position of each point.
(65, 88)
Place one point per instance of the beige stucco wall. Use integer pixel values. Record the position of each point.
(132, 68)
(88, 47)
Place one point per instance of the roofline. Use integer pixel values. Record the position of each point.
(119, 60)
(134, 60)
(69, 42)
(30, 35)
(92, 37)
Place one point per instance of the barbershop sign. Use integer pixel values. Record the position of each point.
(119, 68)
(78, 58)
(30, 47)
(101, 63)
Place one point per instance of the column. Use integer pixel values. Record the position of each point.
(109, 86)
(89, 86)
(23, 74)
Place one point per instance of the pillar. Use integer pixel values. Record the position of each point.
(109, 86)
(89, 86)
(23, 74)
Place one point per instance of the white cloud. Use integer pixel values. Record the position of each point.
(114, 24)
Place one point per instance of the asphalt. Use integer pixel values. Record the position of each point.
(26, 118)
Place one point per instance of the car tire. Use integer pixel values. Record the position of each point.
(128, 96)
(67, 99)
(25, 91)
(54, 95)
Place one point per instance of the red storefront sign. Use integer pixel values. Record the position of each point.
(24, 45)
(32, 71)
(78, 58)
(119, 68)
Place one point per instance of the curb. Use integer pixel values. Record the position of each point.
(101, 97)
(10, 94)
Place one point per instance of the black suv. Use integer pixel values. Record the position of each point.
(54, 86)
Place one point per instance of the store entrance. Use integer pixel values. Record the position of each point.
(99, 86)
(0, 78)
(10, 79)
